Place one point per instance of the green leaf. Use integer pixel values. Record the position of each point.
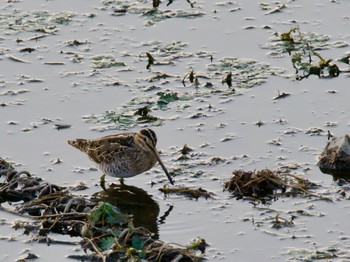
(166, 98)
(137, 242)
(142, 254)
(107, 243)
(107, 215)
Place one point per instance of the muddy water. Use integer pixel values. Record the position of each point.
(39, 95)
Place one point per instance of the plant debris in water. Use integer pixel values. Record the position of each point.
(144, 116)
(184, 152)
(105, 230)
(190, 76)
(266, 185)
(302, 48)
(188, 192)
(150, 60)
(281, 95)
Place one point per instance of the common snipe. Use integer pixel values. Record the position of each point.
(123, 155)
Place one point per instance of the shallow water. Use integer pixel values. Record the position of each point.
(71, 91)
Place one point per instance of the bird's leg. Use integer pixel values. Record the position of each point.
(121, 180)
(103, 182)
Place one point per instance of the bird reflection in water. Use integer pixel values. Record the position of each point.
(137, 202)
(341, 176)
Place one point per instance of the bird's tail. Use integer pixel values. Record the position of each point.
(80, 144)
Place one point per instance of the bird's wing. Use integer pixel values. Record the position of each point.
(105, 149)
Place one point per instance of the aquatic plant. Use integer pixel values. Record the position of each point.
(302, 48)
(106, 232)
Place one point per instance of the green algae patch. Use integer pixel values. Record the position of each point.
(166, 98)
(35, 21)
(105, 61)
(138, 110)
(244, 72)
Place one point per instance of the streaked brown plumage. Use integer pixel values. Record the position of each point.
(123, 155)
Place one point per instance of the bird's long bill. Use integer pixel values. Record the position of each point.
(163, 166)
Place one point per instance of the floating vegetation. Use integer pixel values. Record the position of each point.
(314, 131)
(190, 76)
(280, 222)
(245, 72)
(227, 79)
(188, 1)
(151, 61)
(127, 116)
(35, 21)
(199, 244)
(158, 76)
(345, 59)
(323, 69)
(186, 191)
(281, 95)
(293, 40)
(153, 14)
(112, 119)
(30, 79)
(272, 10)
(144, 116)
(170, 50)
(76, 42)
(266, 185)
(27, 49)
(13, 92)
(166, 98)
(259, 123)
(54, 63)
(17, 102)
(318, 253)
(105, 61)
(184, 152)
(106, 232)
(16, 59)
(136, 111)
(302, 47)
(62, 126)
